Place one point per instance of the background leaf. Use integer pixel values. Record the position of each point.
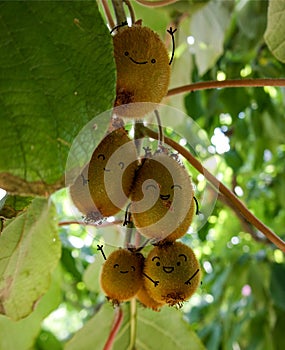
(22, 334)
(275, 31)
(56, 73)
(30, 250)
(208, 26)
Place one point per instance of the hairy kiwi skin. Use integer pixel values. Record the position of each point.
(172, 265)
(169, 218)
(89, 193)
(146, 300)
(143, 70)
(121, 275)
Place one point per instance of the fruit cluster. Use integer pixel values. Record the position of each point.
(160, 191)
(168, 275)
(161, 206)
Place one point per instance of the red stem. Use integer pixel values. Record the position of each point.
(203, 85)
(115, 328)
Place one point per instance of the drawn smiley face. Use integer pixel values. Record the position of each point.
(91, 190)
(171, 273)
(171, 194)
(143, 70)
(121, 275)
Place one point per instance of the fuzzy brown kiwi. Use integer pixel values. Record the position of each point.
(172, 213)
(121, 275)
(172, 273)
(143, 69)
(146, 300)
(93, 190)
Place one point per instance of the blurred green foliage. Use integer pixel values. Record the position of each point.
(240, 304)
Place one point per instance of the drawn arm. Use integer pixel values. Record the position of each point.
(194, 274)
(171, 32)
(100, 247)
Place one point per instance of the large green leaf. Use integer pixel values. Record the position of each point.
(57, 72)
(29, 251)
(275, 31)
(165, 329)
(22, 334)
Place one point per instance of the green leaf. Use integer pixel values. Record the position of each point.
(30, 250)
(165, 329)
(275, 31)
(57, 72)
(22, 334)
(95, 332)
(277, 285)
(208, 27)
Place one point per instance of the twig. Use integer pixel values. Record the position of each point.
(119, 11)
(131, 11)
(203, 85)
(116, 326)
(156, 3)
(223, 190)
(108, 13)
(133, 324)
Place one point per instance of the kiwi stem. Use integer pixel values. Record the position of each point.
(219, 186)
(160, 131)
(203, 85)
(115, 328)
(119, 11)
(108, 13)
(133, 324)
(131, 10)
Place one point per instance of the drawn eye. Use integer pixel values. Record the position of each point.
(101, 156)
(126, 53)
(184, 256)
(178, 263)
(116, 265)
(153, 60)
(133, 268)
(121, 165)
(173, 186)
(158, 258)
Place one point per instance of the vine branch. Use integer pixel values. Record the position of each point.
(215, 84)
(220, 187)
(115, 328)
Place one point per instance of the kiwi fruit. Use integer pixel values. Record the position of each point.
(171, 273)
(143, 69)
(103, 187)
(147, 301)
(162, 198)
(121, 275)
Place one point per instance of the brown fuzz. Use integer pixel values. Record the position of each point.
(143, 70)
(121, 275)
(168, 217)
(99, 183)
(171, 273)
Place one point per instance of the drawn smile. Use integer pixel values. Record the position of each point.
(134, 61)
(165, 197)
(168, 269)
(124, 271)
